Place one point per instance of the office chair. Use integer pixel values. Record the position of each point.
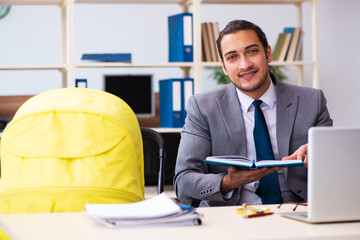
(154, 158)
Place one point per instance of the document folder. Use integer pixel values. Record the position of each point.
(188, 91)
(174, 95)
(107, 57)
(170, 103)
(180, 38)
(81, 83)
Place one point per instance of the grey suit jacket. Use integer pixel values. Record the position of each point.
(215, 126)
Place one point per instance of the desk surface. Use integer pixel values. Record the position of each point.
(218, 223)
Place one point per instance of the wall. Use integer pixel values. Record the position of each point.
(31, 35)
(339, 59)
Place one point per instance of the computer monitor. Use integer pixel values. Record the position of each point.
(135, 90)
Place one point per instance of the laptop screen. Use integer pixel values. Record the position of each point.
(334, 174)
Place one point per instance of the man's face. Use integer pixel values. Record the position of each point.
(245, 62)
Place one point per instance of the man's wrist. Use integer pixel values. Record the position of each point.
(225, 187)
(228, 195)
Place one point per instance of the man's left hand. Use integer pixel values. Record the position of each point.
(301, 153)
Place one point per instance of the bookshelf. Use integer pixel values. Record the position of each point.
(199, 65)
(69, 64)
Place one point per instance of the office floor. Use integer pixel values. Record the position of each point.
(150, 191)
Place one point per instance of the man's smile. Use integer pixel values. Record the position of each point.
(247, 75)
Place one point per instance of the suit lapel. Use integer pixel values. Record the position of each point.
(230, 110)
(286, 107)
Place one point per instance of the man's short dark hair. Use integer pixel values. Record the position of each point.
(238, 25)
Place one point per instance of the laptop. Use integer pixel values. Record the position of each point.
(333, 176)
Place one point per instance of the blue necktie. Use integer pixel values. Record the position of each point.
(269, 189)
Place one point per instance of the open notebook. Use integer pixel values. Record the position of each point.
(333, 176)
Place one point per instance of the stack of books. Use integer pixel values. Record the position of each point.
(157, 211)
(288, 45)
(209, 34)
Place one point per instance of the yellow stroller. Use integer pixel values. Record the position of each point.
(68, 147)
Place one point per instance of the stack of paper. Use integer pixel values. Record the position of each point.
(159, 210)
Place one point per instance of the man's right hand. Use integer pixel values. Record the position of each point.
(237, 177)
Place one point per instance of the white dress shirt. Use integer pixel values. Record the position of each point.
(268, 108)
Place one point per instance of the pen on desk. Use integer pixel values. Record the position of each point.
(258, 215)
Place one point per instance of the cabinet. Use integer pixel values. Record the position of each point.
(69, 64)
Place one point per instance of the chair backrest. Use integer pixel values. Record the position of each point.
(68, 147)
(154, 157)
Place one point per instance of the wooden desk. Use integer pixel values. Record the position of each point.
(218, 223)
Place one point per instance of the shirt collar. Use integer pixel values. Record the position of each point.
(268, 98)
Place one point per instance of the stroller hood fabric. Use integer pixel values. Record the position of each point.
(68, 147)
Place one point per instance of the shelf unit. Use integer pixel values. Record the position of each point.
(69, 65)
(199, 65)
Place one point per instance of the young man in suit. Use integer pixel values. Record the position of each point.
(221, 122)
